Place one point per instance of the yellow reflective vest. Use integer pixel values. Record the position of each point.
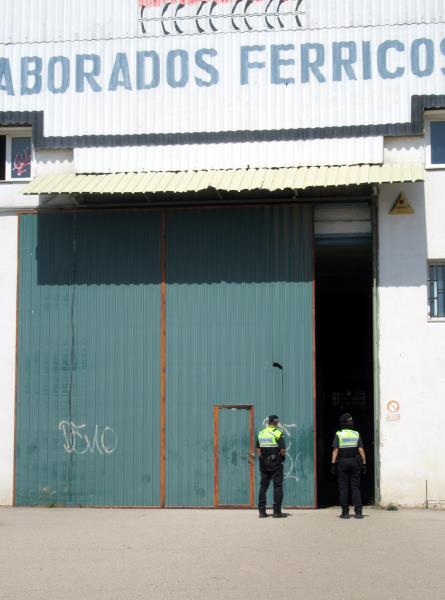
(268, 437)
(348, 438)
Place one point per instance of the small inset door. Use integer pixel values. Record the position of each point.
(233, 455)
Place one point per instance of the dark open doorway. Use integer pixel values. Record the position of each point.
(344, 343)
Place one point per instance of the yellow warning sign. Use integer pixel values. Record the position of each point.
(401, 206)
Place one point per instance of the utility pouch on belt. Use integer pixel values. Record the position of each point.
(271, 460)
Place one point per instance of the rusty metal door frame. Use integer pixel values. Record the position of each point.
(216, 410)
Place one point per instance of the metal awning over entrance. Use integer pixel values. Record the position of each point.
(231, 180)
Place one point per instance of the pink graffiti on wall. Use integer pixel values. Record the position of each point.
(205, 11)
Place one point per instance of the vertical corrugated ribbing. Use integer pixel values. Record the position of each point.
(88, 393)
(239, 331)
(239, 299)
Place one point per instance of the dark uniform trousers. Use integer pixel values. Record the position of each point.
(348, 474)
(268, 474)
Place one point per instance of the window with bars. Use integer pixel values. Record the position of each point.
(436, 289)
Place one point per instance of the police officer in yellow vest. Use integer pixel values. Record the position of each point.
(271, 450)
(348, 461)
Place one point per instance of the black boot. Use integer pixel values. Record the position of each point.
(358, 513)
(344, 513)
(278, 515)
(263, 514)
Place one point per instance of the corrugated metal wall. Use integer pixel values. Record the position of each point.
(88, 378)
(239, 298)
(209, 100)
(348, 151)
(56, 20)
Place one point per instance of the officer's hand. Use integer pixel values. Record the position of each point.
(364, 469)
(333, 469)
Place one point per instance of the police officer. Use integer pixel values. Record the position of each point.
(348, 461)
(271, 450)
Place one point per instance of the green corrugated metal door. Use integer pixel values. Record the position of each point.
(239, 332)
(233, 456)
(88, 385)
(239, 300)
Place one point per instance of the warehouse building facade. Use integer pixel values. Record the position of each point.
(210, 213)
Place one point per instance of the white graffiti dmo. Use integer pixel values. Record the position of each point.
(291, 471)
(76, 440)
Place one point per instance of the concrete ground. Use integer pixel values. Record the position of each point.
(64, 554)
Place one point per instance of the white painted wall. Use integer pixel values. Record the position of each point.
(54, 161)
(11, 197)
(411, 349)
(8, 287)
(435, 214)
(404, 150)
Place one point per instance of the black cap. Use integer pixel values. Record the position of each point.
(346, 419)
(273, 418)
